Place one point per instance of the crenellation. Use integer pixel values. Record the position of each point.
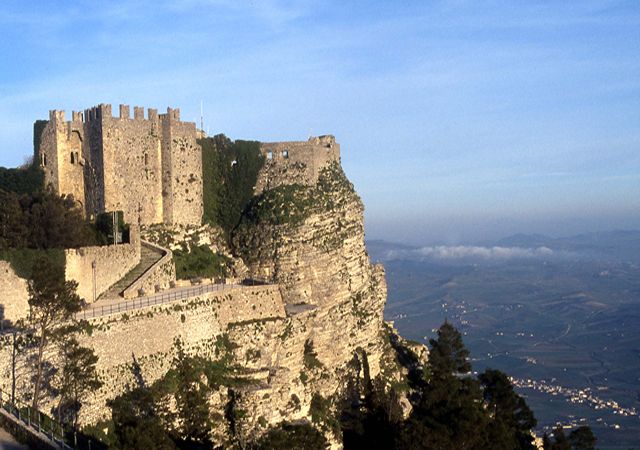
(138, 113)
(76, 116)
(124, 112)
(56, 115)
(104, 111)
(152, 114)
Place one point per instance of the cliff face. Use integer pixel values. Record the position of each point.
(295, 341)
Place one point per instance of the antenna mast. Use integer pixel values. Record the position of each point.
(201, 117)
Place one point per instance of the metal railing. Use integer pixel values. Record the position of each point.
(159, 299)
(40, 424)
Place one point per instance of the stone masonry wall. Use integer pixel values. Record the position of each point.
(62, 157)
(112, 262)
(146, 336)
(14, 298)
(183, 181)
(133, 172)
(295, 162)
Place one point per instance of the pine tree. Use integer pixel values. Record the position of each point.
(52, 302)
(450, 412)
(582, 438)
(512, 420)
(78, 376)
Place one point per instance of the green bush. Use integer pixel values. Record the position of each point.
(22, 260)
(229, 171)
(200, 262)
(23, 180)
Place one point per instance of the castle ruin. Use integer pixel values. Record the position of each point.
(149, 168)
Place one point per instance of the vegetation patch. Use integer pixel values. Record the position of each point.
(230, 171)
(200, 262)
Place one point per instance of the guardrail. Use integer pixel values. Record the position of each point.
(43, 427)
(159, 299)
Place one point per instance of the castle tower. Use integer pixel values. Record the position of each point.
(61, 155)
(149, 168)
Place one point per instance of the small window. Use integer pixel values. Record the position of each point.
(43, 160)
(269, 154)
(285, 154)
(146, 159)
(234, 162)
(77, 159)
(73, 159)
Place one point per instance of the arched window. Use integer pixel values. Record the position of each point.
(269, 154)
(285, 154)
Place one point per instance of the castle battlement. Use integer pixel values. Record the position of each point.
(150, 168)
(104, 112)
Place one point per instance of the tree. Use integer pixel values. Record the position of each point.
(137, 424)
(560, 441)
(450, 412)
(290, 436)
(52, 302)
(582, 438)
(371, 413)
(191, 395)
(512, 419)
(78, 377)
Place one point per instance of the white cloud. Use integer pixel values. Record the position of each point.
(443, 252)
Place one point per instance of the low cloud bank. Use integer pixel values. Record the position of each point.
(444, 252)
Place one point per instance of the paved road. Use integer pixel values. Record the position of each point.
(8, 442)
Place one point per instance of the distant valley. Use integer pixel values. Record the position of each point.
(559, 315)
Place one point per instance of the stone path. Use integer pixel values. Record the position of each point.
(8, 442)
(107, 306)
(148, 257)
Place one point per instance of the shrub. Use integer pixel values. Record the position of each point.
(200, 262)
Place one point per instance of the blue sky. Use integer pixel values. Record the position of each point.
(459, 120)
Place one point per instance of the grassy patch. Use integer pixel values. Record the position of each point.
(200, 262)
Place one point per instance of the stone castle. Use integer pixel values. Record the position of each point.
(322, 296)
(151, 167)
(148, 167)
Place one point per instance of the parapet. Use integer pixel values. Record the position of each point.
(103, 111)
(56, 115)
(124, 112)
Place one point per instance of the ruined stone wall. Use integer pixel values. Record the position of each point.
(13, 300)
(295, 162)
(112, 262)
(148, 336)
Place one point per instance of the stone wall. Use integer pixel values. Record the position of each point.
(112, 262)
(146, 336)
(62, 157)
(132, 167)
(13, 300)
(295, 162)
(182, 157)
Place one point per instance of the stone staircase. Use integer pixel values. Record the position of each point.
(148, 257)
